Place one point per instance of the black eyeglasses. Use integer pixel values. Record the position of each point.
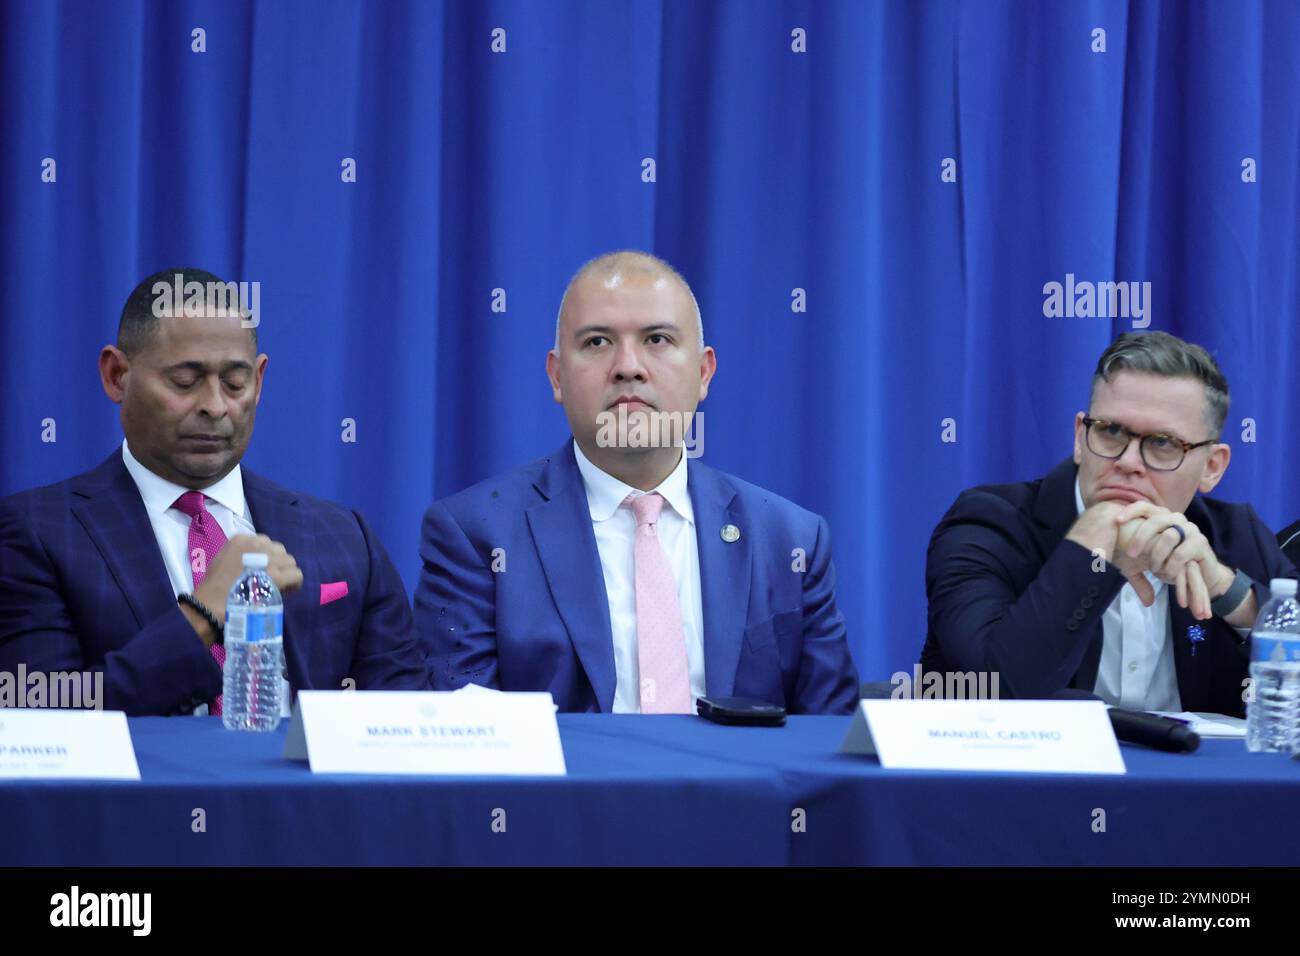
(1159, 452)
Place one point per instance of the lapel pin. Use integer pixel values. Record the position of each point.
(730, 533)
(1195, 635)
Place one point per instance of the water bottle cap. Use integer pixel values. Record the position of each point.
(1283, 586)
(254, 560)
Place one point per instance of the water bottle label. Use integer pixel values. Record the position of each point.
(1271, 649)
(264, 627)
(242, 626)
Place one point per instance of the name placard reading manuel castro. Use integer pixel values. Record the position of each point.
(1025, 736)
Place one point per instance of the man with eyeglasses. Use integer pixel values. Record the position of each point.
(1110, 574)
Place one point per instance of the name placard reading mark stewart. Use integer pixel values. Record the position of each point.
(426, 732)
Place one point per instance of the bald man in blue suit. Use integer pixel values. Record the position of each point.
(534, 580)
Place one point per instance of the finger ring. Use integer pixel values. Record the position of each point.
(1182, 535)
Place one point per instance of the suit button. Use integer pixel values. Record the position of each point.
(1086, 602)
(1071, 625)
(1078, 614)
(1092, 591)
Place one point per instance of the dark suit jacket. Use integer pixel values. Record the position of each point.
(83, 587)
(543, 623)
(1009, 594)
(1289, 540)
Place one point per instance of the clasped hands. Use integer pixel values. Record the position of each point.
(1142, 536)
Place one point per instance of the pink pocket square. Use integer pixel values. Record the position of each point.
(332, 591)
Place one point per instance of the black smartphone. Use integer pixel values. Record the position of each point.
(744, 711)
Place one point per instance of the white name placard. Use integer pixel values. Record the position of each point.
(426, 732)
(1020, 736)
(66, 744)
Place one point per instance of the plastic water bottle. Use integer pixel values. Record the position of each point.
(1273, 714)
(253, 676)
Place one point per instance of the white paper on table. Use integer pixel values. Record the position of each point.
(1207, 724)
(480, 689)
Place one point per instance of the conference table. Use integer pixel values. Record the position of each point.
(662, 790)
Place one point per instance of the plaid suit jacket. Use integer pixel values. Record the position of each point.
(83, 588)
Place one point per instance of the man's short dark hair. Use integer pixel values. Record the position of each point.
(139, 322)
(1159, 353)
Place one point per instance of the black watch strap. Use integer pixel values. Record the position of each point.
(205, 613)
(1231, 599)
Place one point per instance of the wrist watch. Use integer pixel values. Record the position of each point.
(1231, 599)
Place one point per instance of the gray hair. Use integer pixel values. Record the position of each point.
(1159, 353)
(617, 264)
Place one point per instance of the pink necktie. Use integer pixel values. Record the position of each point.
(206, 539)
(660, 644)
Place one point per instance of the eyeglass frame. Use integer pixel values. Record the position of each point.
(1088, 422)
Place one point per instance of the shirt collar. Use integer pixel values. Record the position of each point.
(159, 494)
(605, 493)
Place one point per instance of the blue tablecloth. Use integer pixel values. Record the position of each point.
(653, 790)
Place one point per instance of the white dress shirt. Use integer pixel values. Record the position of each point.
(171, 526)
(1137, 669)
(615, 529)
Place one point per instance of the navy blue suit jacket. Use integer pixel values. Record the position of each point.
(542, 623)
(83, 587)
(1009, 594)
(1289, 540)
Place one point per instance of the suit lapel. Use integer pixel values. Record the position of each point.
(566, 544)
(1193, 668)
(724, 574)
(275, 513)
(1055, 510)
(113, 514)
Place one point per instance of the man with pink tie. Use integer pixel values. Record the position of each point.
(619, 573)
(125, 570)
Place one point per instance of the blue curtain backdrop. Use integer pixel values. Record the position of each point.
(775, 170)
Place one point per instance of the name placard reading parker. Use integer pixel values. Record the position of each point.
(66, 744)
